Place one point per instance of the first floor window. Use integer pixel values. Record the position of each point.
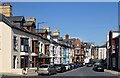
(78, 51)
(24, 44)
(15, 43)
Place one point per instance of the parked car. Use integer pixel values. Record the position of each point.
(76, 66)
(98, 67)
(79, 64)
(83, 63)
(72, 66)
(67, 67)
(46, 69)
(89, 65)
(60, 67)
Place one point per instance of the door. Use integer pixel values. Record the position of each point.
(14, 58)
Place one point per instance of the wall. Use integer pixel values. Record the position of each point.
(5, 48)
(102, 53)
(119, 56)
(18, 53)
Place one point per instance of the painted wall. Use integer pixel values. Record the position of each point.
(102, 53)
(18, 53)
(65, 55)
(62, 55)
(57, 55)
(51, 49)
(5, 48)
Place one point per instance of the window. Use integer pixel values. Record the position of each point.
(113, 47)
(41, 47)
(15, 43)
(32, 46)
(78, 51)
(24, 44)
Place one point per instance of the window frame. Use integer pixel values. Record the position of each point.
(25, 43)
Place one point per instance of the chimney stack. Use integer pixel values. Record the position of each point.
(6, 9)
(56, 32)
(32, 19)
(66, 36)
(47, 28)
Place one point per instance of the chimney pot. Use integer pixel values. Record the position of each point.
(67, 36)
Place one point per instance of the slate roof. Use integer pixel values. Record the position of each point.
(12, 24)
(29, 23)
(4, 19)
(16, 18)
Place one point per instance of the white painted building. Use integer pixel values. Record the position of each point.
(102, 52)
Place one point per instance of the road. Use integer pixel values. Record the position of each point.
(84, 71)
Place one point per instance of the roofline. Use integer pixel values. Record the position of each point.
(6, 21)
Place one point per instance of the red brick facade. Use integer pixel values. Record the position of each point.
(78, 51)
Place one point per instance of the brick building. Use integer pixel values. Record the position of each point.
(113, 53)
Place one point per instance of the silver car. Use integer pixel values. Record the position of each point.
(46, 69)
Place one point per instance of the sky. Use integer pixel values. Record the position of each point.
(89, 21)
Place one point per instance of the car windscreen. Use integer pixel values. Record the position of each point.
(43, 66)
(100, 65)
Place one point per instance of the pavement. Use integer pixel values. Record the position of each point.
(112, 72)
(30, 72)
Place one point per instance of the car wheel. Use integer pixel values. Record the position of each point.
(102, 70)
(56, 72)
